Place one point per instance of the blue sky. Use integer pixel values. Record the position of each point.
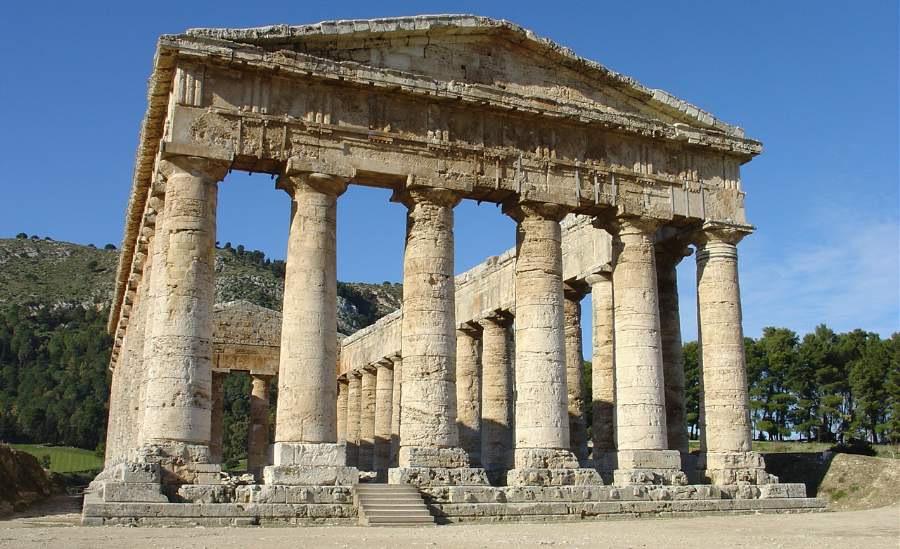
(816, 81)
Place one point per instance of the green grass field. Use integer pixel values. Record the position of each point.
(786, 447)
(64, 459)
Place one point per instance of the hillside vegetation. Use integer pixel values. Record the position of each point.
(54, 350)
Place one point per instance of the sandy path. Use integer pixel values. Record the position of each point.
(55, 525)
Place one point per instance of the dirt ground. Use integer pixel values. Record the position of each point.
(54, 524)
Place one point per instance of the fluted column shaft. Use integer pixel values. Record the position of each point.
(258, 436)
(667, 260)
(603, 388)
(428, 414)
(541, 404)
(307, 395)
(575, 372)
(367, 420)
(178, 393)
(343, 389)
(384, 387)
(640, 401)
(726, 400)
(497, 396)
(468, 392)
(218, 414)
(354, 387)
(396, 394)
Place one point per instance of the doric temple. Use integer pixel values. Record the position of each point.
(469, 397)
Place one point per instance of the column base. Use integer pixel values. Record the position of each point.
(549, 467)
(309, 464)
(628, 467)
(424, 466)
(180, 462)
(569, 476)
(726, 468)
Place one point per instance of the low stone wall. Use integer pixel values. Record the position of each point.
(495, 504)
(250, 505)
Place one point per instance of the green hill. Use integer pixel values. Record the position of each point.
(54, 350)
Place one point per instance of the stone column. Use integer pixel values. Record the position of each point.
(354, 383)
(429, 439)
(468, 391)
(668, 256)
(395, 410)
(114, 422)
(542, 454)
(178, 347)
(384, 387)
(218, 412)
(497, 397)
(642, 454)
(725, 450)
(343, 388)
(367, 420)
(258, 437)
(603, 388)
(574, 372)
(306, 425)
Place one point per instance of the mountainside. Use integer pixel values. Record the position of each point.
(45, 273)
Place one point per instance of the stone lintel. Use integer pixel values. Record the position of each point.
(169, 149)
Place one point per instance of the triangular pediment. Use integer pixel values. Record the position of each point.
(477, 52)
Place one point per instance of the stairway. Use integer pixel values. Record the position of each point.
(391, 505)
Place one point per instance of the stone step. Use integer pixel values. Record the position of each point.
(391, 505)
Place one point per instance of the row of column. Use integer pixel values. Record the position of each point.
(367, 416)
(178, 330)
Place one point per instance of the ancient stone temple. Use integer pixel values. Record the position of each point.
(469, 397)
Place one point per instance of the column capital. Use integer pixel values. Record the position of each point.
(295, 182)
(599, 277)
(575, 290)
(432, 195)
(520, 211)
(212, 170)
(470, 328)
(669, 253)
(384, 363)
(500, 317)
(717, 232)
(622, 225)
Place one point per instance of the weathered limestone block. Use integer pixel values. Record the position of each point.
(418, 456)
(133, 491)
(367, 420)
(468, 391)
(310, 475)
(135, 472)
(437, 476)
(574, 372)
(181, 463)
(497, 397)
(552, 477)
(307, 394)
(384, 387)
(204, 493)
(312, 454)
(178, 350)
(428, 414)
(783, 490)
(293, 494)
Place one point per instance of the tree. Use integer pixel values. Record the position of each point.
(21, 236)
(691, 359)
(109, 247)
